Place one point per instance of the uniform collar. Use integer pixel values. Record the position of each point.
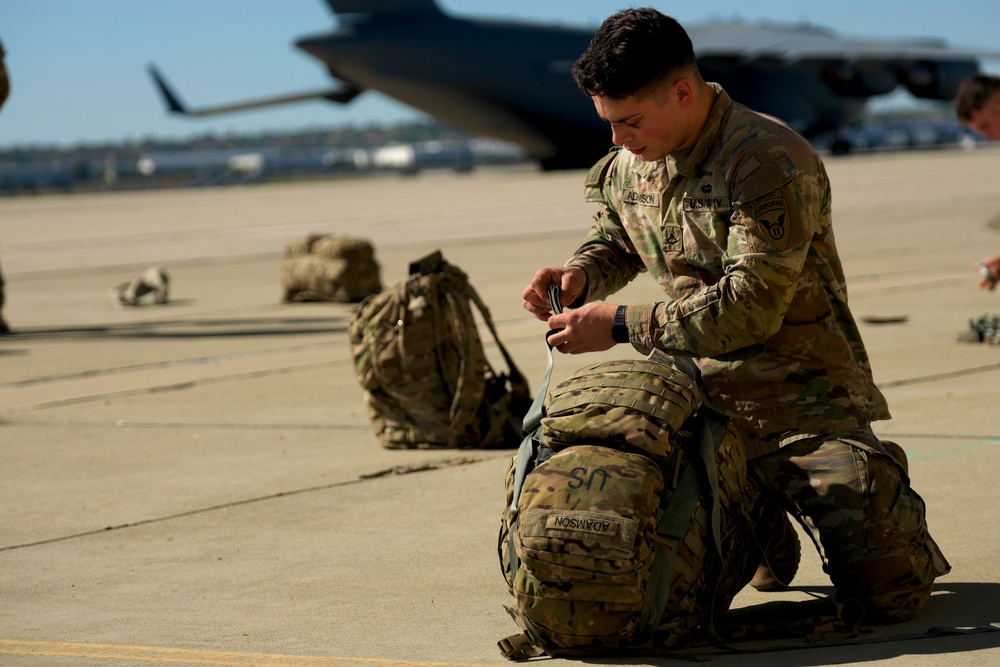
(689, 161)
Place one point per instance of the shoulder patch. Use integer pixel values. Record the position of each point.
(756, 178)
(597, 173)
(771, 221)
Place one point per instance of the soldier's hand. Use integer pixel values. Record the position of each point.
(586, 329)
(572, 280)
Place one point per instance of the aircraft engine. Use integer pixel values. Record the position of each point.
(937, 80)
(860, 79)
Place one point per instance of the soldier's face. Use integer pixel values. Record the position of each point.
(986, 121)
(651, 126)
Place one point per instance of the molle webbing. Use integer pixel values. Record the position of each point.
(680, 402)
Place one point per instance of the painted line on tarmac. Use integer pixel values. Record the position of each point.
(192, 657)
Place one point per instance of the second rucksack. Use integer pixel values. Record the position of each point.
(420, 360)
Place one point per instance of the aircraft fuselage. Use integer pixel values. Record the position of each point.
(512, 81)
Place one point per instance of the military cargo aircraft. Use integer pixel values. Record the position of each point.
(512, 81)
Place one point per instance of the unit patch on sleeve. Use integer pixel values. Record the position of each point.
(770, 221)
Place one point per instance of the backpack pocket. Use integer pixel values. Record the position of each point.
(586, 520)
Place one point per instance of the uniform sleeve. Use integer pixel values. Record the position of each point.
(777, 208)
(607, 255)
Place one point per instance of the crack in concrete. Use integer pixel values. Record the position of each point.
(364, 477)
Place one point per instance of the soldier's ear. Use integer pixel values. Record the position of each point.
(683, 92)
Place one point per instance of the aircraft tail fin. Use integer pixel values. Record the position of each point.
(173, 102)
(389, 9)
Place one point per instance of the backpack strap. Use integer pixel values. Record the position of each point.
(528, 644)
(519, 647)
(674, 519)
(533, 419)
(513, 372)
(713, 431)
(471, 382)
(526, 452)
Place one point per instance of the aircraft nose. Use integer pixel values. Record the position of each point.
(314, 46)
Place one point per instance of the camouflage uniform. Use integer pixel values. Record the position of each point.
(737, 231)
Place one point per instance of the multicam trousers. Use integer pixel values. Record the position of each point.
(855, 501)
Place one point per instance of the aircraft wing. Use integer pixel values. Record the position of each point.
(859, 67)
(790, 42)
(174, 103)
(393, 9)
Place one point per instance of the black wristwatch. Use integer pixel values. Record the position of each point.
(619, 330)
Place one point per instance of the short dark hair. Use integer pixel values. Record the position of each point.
(973, 93)
(631, 50)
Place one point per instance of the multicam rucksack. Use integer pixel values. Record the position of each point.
(419, 358)
(619, 503)
(329, 267)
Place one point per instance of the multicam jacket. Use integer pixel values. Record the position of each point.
(737, 231)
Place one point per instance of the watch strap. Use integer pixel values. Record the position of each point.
(619, 328)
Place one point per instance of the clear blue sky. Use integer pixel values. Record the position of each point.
(78, 67)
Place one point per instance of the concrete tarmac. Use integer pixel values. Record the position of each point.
(197, 483)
